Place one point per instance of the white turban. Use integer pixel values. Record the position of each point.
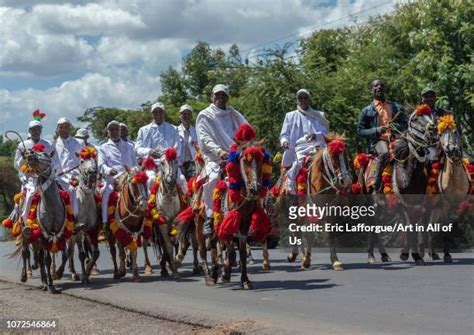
(220, 88)
(123, 125)
(34, 123)
(157, 105)
(185, 107)
(82, 132)
(111, 123)
(63, 120)
(301, 91)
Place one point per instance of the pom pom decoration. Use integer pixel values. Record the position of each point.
(230, 225)
(260, 225)
(462, 208)
(361, 161)
(170, 154)
(149, 164)
(139, 178)
(356, 188)
(446, 122)
(423, 110)
(88, 152)
(39, 147)
(38, 116)
(301, 180)
(245, 133)
(336, 147)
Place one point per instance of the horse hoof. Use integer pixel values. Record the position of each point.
(148, 270)
(447, 258)
(34, 267)
(175, 275)
(210, 281)
(404, 256)
(122, 273)
(196, 270)
(291, 257)
(116, 275)
(165, 274)
(225, 280)
(29, 274)
(85, 280)
(435, 256)
(44, 288)
(52, 290)
(337, 266)
(371, 259)
(75, 277)
(265, 266)
(137, 279)
(306, 263)
(95, 271)
(251, 261)
(246, 285)
(23, 278)
(55, 276)
(386, 258)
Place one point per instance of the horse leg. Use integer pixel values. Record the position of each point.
(82, 259)
(266, 256)
(53, 267)
(245, 283)
(29, 272)
(195, 247)
(25, 254)
(122, 259)
(48, 261)
(64, 258)
(42, 266)
(227, 265)
(168, 248)
(35, 260)
(72, 269)
(182, 246)
(335, 263)
(148, 269)
(113, 254)
(133, 258)
(294, 250)
(203, 250)
(306, 260)
(250, 259)
(370, 247)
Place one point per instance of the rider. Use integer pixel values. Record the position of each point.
(303, 130)
(68, 149)
(216, 126)
(113, 156)
(428, 96)
(124, 134)
(188, 139)
(374, 122)
(27, 180)
(156, 137)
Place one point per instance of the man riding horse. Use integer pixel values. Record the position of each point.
(189, 141)
(303, 131)
(216, 126)
(374, 122)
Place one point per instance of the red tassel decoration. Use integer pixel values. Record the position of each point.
(260, 225)
(170, 154)
(230, 225)
(245, 133)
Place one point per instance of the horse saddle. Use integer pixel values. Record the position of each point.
(370, 172)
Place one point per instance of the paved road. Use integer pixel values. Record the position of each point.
(395, 298)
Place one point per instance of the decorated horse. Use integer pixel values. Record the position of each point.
(50, 222)
(324, 172)
(130, 223)
(165, 203)
(88, 215)
(407, 178)
(450, 185)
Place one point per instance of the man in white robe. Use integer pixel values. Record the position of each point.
(124, 134)
(154, 138)
(189, 141)
(216, 126)
(303, 132)
(28, 181)
(68, 150)
(113, 156)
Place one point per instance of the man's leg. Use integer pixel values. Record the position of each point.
(108, 188)
(291, 179)
(208, 190)
(381, 148)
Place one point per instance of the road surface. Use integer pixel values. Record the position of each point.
(396, 298)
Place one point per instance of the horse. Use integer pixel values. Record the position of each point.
(50, 222)
(414, 151)
(248, 177)
(168, 200)
(127, 224)
(324, 173)
(87, 216)
(451, 179)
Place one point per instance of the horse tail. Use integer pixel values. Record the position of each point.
(18, 249)
(157, 241)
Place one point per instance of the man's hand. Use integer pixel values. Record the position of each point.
(381, 130)
(223, 155)
(285, 146)
(113, 172)
(155, 154)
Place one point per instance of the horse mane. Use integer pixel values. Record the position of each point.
(334, 136)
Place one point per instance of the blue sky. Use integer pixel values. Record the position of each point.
(64, 57)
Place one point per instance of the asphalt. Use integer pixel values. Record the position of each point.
(382, 298)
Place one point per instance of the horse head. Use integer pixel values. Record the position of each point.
(449, 138)
(169, 169)
(88, 170)
(335, 161)
(39, 161)
(251, 167)
(136, 188)
(422, 133)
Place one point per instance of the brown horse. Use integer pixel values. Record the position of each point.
(128, 222)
